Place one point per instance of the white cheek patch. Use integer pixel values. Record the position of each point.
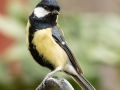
(40, 12)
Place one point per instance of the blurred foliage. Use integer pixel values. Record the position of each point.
(93, 38)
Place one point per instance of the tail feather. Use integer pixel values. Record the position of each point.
(82, 82)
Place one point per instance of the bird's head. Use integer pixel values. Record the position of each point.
(47, 11)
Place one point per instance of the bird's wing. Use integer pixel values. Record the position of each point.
(59, 38)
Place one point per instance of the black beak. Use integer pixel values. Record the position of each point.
(55, 12)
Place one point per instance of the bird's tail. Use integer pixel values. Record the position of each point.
(82, 82)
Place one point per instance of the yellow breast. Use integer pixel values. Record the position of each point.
(46, 46)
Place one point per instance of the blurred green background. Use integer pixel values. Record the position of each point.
(91, 28)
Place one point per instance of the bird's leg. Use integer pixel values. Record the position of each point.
(49, 74)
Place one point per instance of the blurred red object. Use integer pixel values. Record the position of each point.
(24, 1)
(5, 42)
(15, 68)
(3, 7)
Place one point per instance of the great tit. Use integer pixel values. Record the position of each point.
(47, 45)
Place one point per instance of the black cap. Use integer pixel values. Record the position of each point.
(49, 3)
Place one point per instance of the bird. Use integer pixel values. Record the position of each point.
(47, 45)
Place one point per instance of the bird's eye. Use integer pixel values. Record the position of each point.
(46, 7)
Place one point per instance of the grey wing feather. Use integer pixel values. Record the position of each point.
(59, 38)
